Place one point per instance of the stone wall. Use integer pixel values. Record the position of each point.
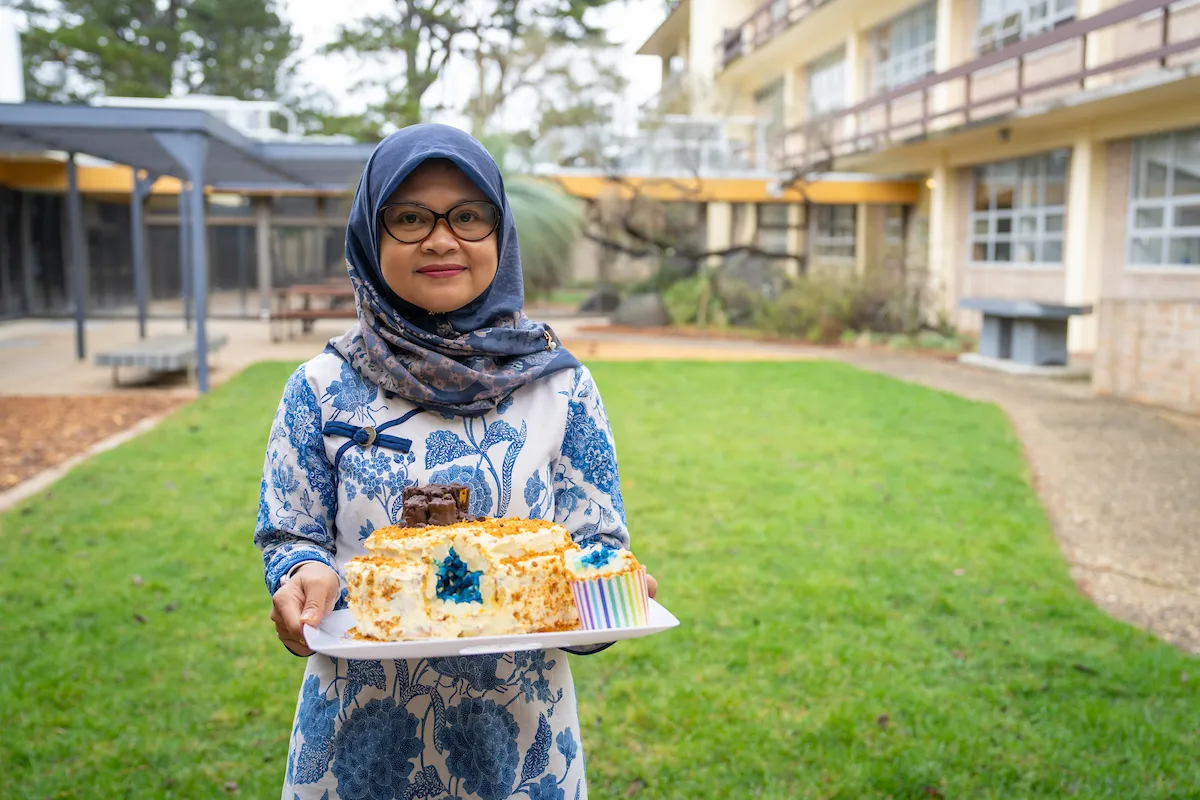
(1149, 351)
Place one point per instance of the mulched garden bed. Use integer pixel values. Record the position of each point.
(37, 433)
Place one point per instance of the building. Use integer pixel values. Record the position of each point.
(259, 237)
(1055, 144)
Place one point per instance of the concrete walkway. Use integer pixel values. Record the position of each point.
(37, 357)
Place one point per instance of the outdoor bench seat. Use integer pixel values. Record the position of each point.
(159, 354)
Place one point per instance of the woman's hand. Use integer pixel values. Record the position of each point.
(304, 599)
(651, 585)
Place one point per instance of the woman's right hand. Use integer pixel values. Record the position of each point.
(304, 599)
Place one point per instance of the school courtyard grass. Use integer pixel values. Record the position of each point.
(872, 602)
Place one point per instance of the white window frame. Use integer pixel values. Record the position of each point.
(769, 103)
(827, 83)
(906, 47)
(834, 237)
(1166, 208)
(1003, 229)
(775, 236)
(1005, 22)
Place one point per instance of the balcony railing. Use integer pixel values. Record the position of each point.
(1049, 67)
(770, 19)
(675, 146)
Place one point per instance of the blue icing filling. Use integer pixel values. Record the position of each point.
(599, 557)
(456, 583)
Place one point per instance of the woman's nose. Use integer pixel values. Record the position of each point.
(441, 239)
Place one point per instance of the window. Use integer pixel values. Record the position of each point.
(833, 231)
(1165, 210)
(905, 48)
(773, 227)
(1020, 210)
(827, 84)
(768, 102)
(1003, 22)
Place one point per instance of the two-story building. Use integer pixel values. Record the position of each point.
(1056, 144)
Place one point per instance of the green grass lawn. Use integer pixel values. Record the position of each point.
(872, 606)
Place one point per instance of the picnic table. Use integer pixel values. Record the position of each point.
(1025, 332)
(295, 304)
(159, 354)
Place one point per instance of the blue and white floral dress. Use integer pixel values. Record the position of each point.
(489, 727)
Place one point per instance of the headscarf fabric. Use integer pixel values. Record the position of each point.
(464, 362)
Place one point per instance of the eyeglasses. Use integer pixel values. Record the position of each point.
(410, 223)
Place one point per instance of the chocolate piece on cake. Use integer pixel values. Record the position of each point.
(443, 511)
(436, 504)
(416, 512)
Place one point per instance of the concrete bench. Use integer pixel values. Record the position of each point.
(1024, 332)
(160, 354)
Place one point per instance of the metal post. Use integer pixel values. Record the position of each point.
(137, 217)
(185, 257)
(321, 265)
(78, 257)
(27, 250)
(262, 242)
(199, 266)
(8, 297)
(190, 151)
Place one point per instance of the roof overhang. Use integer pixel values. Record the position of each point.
(132, 136)
(664, 40)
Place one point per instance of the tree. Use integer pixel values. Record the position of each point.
(78, 49)
(409, 48)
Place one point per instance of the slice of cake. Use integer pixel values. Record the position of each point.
(471, 577)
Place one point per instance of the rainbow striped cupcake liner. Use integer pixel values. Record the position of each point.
(619, 601)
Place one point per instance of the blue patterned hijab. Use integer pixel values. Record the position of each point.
(463, 362)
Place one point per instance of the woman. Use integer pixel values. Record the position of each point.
(442, 380)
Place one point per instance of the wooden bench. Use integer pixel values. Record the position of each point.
(1024, 332)
(339, 297)
(159, 354)
(306, 317)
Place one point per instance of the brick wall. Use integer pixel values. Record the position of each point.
(1149, 351)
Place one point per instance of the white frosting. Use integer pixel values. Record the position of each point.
(619, 561)
(523, 584)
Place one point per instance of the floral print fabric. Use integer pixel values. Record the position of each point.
(490, 726)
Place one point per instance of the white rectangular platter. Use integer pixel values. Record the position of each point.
(329, 639)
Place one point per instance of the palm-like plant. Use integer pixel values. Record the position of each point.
(548, 225)
(549, 222)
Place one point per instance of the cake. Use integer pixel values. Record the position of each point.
(609, 587)
(444, 573)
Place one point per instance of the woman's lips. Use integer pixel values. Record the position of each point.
(442, 270)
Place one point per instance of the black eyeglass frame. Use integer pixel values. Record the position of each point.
(438, 218)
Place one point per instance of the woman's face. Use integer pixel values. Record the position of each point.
(440, 272)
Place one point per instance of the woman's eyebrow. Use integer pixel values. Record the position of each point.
(458, 202)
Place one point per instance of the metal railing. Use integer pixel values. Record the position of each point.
(850, 130)
(667, 145)
(771, 18)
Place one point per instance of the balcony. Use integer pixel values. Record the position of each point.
(770, 20)
(1132, 46)
(668, 146)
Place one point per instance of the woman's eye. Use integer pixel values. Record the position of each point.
(409, 219)
(466, 216)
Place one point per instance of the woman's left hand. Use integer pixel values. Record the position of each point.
(651, 585)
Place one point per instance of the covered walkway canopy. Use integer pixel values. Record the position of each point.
(193, 146)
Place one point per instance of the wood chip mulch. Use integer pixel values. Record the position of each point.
(37, 433)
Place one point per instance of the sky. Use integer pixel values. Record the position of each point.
(628, 23)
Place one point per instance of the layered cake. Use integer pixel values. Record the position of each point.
(444, 573)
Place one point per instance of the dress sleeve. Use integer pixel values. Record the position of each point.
(298, 496)
(586, 482)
